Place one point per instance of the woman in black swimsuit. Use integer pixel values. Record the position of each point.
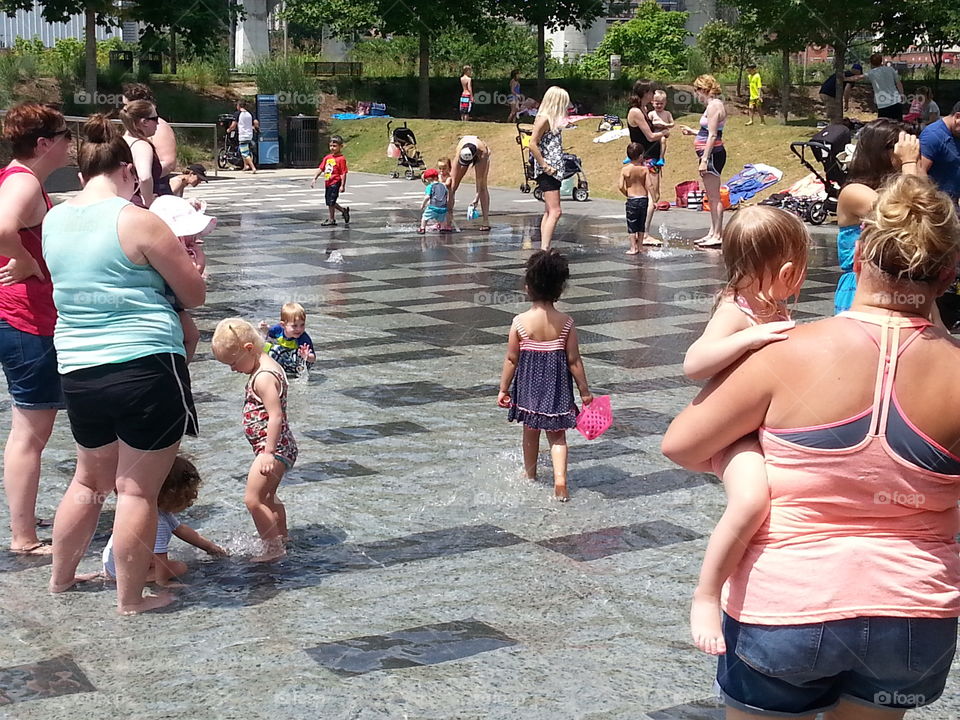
(638, 124)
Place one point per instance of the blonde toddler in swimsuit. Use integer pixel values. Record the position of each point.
(765, 253)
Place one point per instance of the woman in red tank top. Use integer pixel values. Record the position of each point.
(40, 141)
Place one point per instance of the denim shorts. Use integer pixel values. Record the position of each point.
(797, 670)
(30, 364)
(331, 193)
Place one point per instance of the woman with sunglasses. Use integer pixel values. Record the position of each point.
(121, 359)
(140, 121)
(40, 141)
(883, 150)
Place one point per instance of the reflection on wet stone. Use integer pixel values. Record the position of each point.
(360, 433)
(410, 394)
(602, 543)
(325, 470)
(413, 647)
(45, 679)
(616, 484)
(710, 709)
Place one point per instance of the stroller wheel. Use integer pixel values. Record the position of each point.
(817, 213)
(538, 194)
(222, 162)
(581, 194)
(525, 188)
(394, 174)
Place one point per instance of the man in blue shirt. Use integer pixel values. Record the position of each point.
(940, 152)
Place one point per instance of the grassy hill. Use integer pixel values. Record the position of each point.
(366, 143)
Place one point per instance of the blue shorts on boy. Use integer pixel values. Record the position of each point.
(637, 214)
(166, 524)
(331, 193)
(286, 350)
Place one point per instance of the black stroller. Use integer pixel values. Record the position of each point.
(405, 150)
(824, 147)
(229, 153)
(571, 167)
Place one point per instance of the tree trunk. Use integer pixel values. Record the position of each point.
(937, 68)
(232, 40)
(90, 39)
(423, 102)
(835, 113)
(541, 60)
(785, 86)
(173, 52)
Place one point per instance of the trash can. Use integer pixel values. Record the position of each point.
(121, 59)
(303, 141)
(152, 62)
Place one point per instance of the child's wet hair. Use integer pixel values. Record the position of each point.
(291, 312)
(181, 487)
(758, 242)
(634, 151)
(232, 334)
(546, 276)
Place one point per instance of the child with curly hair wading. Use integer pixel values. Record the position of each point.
(765, 253)
(542, 362)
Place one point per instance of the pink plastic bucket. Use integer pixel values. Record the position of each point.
(595, 418)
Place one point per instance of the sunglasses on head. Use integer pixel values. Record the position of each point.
(155, 118)
(65, 132)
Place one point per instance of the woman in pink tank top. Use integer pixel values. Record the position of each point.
(40, 141)
(847, 597)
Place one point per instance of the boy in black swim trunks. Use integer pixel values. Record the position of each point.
(633, 185)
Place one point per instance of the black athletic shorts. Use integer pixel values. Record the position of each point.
(892, 112)
(331, 193)
(548, 183)
(637, 214)
(716, 161)
(145, 402)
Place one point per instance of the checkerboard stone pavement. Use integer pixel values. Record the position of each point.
(426, 578)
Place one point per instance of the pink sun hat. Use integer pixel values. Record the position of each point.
(181, 216)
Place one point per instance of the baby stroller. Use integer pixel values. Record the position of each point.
(229, 153)
(572, 167)
(404, 147)
(824, 147)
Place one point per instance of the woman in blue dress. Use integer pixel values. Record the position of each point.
(883, 150)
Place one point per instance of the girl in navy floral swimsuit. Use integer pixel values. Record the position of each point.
(543, 361)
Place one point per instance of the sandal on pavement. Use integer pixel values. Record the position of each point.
(41, 547)
(484, 228)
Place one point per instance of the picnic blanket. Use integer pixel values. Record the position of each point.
(611, 135)
(356, 116)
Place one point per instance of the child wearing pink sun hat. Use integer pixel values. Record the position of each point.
(189, 223)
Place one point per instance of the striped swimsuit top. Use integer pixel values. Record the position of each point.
(526, 343)
(700, 141)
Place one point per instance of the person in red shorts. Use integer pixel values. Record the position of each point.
(333, 167)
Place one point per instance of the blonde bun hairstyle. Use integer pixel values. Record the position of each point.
(912, 233)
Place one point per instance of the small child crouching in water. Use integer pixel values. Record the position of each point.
(189, 223)
(238, 344)
(633, 185)
(434, 206)
(177, 494)
(765, 253)
(542, 362)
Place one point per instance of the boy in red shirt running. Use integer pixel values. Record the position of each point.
(334, 170)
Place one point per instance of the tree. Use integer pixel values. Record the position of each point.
(423, 19)
(730, 44)
(653, 42)
(165, 24)
(95, 12)
(931, 24)
(548, 15)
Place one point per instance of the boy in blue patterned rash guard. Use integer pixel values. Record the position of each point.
(288, 342)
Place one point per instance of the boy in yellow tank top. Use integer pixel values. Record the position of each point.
(756, 93)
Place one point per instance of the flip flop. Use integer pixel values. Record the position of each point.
(41, 547)
(484, 228)
(710, 245)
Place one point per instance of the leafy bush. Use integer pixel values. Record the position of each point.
(285, 77)
(396, 57)
(697, 63)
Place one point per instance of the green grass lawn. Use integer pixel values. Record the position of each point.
(366, 145)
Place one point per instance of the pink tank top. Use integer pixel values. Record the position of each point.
(853, 531)
(28, 305)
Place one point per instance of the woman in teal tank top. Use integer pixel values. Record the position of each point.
(883, 150)
(121, 359)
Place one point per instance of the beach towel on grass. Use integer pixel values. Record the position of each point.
(753, 179)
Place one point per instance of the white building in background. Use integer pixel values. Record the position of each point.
(570, 43)
(29, 24)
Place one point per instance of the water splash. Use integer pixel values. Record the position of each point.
(335, 257)
(667, 236)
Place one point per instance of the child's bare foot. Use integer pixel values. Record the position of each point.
(705, 625)
(633, 251)
(560, 493)
(148, 603)
(272, 550)
(77, 579)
